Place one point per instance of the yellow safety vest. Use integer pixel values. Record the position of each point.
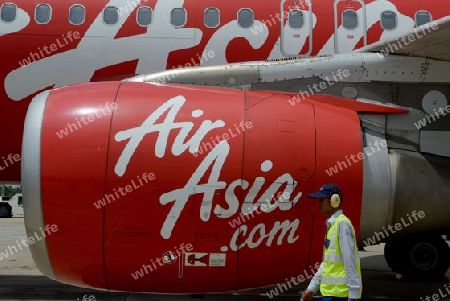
(334, 279)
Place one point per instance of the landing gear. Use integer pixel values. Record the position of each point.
(421, 257)
(5, 210)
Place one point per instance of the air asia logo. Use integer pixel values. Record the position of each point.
(213, 161)
(84, 60)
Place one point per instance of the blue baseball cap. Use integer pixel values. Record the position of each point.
(326, 191)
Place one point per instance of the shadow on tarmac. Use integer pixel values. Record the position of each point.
(377, 285)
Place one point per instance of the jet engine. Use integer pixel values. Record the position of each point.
(180, 189)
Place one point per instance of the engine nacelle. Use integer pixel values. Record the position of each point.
(177, 189)
(405, 193)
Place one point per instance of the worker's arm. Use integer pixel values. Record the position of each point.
(347, 245)
(315, 281)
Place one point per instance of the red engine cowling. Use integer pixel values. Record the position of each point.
(178, 189)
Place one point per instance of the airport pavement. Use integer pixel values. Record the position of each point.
(21, 280)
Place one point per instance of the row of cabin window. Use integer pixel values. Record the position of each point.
(388, 19)
(144, 16)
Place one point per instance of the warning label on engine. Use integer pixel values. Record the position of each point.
(217, 259)
(196, 259)
(205, 259)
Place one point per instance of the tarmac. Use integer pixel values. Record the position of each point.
(21, 280)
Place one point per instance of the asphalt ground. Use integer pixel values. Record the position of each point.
(21, 280)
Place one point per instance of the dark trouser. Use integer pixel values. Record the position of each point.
(334, 298)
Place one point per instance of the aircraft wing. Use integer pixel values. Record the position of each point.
(431, 40)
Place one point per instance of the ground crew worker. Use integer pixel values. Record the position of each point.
(339, 274)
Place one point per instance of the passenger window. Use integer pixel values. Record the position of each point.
(178, 17)
(9, 12)
(43, 13)
(212, 17)
(77, 14)
(246, 18)
(111, 15)
(388, 20)
(144, 16)
(296, 19)
(20, 202)
(422, 17)
(350, 19)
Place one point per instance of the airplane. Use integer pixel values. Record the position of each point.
(121, 154)
(57, 43)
